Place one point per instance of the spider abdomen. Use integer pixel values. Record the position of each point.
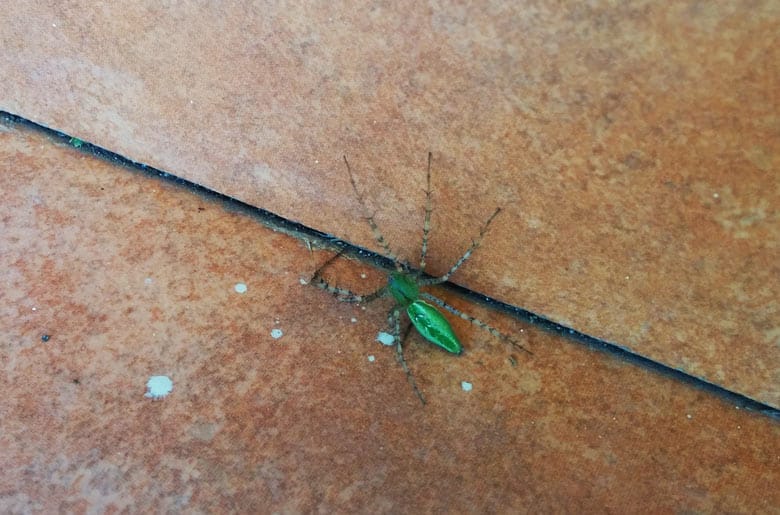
(432, 325)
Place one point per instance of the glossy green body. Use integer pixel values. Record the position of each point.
(428, 321)
(433, 326)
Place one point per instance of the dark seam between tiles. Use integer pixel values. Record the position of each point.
(326, 241)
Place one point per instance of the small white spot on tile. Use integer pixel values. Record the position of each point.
(362, 276)
(715, 195)
(385, 338)
(689, 416)
(303, 281)
(34, 308)
(276, 334)
(466, 386)
(148, 281)
(240, 288)
(371, 358)
(353, 320)
(158, 387)
(534, 223)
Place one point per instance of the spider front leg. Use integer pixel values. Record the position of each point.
(427, 222)
(378, 236)
(394, 319)
(474, 246)
(343, 294)
(476, 321)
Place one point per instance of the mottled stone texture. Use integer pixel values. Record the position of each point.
(634, 148)
(129, 277)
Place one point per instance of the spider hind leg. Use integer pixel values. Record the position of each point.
(394, 318)
(476, 321)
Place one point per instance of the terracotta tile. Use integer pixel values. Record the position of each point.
(633, 147)
(129, 276)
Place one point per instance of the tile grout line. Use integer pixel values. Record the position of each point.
(326, 241)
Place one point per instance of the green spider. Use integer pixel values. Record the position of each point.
(404, 285)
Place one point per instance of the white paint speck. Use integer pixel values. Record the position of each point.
(466, 386)
(385, 338)
(362, 276)
(276, 334)
(240, 288)
(371, 358)
(353, 320)
(303, 281)
(148, 281)
(158, 387)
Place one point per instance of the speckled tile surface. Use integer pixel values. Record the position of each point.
(634, 148)
(128, 277)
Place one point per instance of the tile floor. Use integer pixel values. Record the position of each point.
(633, 149)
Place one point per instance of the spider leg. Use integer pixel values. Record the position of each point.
(427, 223)
(345, 295)
(477, 322)
(326, 264)
(342, 294)
(394, 317)
(474, 245)
(380, 239)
